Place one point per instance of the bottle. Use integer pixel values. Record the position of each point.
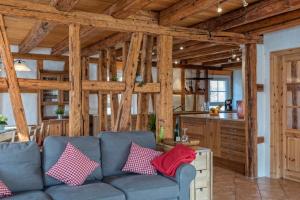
(161, 133)
(176, 131)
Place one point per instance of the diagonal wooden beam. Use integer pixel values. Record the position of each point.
(254, 12)
(123, 117)
(13, 85)
(121, 10)
(183, 9)
(42, 28)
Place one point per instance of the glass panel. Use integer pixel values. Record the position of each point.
(293, 72)
(213, 85)
(50, 95)
(222, 96)
(222, 85)
(214, 97)
(293, 118)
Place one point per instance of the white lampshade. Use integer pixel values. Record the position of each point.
(20, 66)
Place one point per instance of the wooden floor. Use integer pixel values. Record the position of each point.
(229, 185)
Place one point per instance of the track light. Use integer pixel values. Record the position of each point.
(245, 3)
(238, 59)
(176, 62)
(181, 48)
(219, 8)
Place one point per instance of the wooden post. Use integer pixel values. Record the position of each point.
(250, 98)
(13, 85)
(102, 98)
(145, 72)
(114, 102)
(182, 89)
(123, 118)
(75, 117)
(165, 72)
(85, 98)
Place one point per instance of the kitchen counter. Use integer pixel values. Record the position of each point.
(222, 116)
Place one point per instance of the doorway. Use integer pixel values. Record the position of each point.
(285, 114)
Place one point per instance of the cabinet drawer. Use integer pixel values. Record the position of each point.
(200, 162)
(202, 179)
(202, 194)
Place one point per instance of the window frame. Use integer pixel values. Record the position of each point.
(227, 90)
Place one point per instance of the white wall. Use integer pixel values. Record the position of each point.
(275, 41)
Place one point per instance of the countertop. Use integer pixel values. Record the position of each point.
(222, 116)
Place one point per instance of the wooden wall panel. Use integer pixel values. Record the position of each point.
(102, 98)
(85, 98)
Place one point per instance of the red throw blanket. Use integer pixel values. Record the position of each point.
(168, 162)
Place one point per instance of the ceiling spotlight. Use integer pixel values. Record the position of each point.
(219, 8)
(238, 59)
(234, 56)
(176, 62)
(153, 53)
(245, 3)
(181, 48)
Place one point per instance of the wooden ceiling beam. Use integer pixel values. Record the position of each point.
(212, 57)
(183, 9)
(192, 48)
(219, 62)
(254, 12)
(121, 10)
(207, 51)
(42, 28)
(106, 43)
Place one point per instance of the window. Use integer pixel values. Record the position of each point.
(218, 91)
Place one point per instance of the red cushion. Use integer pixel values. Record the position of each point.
(139, 160)
(4, 191)
(73, 167)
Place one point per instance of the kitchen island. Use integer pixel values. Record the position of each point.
(223, 134)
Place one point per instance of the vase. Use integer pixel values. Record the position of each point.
(240, 109)
(59, 116)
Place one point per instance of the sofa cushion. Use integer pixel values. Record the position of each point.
(20, 166)
(73, 167)
(115, 149)
(32, 195)
(92, 191)
(54, 147)
(139, 160)
(149, 187)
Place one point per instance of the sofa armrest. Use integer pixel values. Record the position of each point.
(184, 176)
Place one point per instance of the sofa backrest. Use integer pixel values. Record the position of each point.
(54, 147)
(20, 166)
(115, 147)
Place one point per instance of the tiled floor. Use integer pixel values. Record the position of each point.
(229, 185)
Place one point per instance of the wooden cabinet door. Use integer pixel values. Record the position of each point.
(291, 117)
(55, 128)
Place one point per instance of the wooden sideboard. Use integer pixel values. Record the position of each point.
(224, 135)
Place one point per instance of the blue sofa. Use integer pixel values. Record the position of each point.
(23, 167)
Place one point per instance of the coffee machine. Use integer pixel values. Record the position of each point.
(228, 105)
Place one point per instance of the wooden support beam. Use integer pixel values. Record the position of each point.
(85, 98)
(212, 57)
(250, 97)
(102, 98)
(164, 109)
(254, 12)
(260, 87)
(75, 117)
(114, 101)
(124, 112)
(182, 89)
(207, 51)
(145, 73)
(20, 8)
(106, 43)
(42, 28)
(13, 86)
(121, 10)
(183, 9)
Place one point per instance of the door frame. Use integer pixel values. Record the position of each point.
(276, 105)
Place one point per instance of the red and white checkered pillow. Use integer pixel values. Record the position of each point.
(4, 191)
(139, 160)
(73, 167)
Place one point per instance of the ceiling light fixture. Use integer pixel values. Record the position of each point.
(238, 59)
(20, 66)
(181, 48)
(219, 8)
(245, 3)
(176, 62)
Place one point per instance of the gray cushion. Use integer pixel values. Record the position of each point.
(115, 147)
(149, 187)
(20, 166)
(34, 195)
(93, 191)
(54, 147)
